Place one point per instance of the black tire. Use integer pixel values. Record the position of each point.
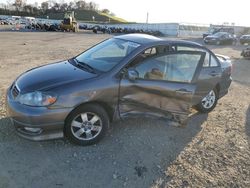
(92, 111)
(201, 106)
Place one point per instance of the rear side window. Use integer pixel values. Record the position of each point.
(206, 60)
(209, 60)
(150, 51)
(213, 62)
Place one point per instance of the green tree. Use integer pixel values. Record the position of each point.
(106, 11)
(64, 7)
(28, 8)
(56, 7)
(45, 6)
(71, 5)
(19, 4)
(81, 5)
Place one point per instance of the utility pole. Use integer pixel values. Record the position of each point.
(147, 17)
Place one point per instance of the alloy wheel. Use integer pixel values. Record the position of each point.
(208, 101)
(86, 126)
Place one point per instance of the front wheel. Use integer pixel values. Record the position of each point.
(208, 103)
(86, 125)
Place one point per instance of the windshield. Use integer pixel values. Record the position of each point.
(211, 30)
(106, 55)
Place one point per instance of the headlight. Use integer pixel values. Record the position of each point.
(37, 98)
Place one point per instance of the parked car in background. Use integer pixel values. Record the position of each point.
(246, 53)
(220, 38)
(124, 76)
(245, 39)
(214, 30)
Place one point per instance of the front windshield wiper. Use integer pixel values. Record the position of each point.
(85, 66)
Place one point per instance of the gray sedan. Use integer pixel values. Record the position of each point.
(127, 75)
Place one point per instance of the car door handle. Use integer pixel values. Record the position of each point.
(183, 91)
(213, 73)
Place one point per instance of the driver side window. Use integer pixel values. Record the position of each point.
(178, 67)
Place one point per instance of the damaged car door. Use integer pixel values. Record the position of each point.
(161, 85)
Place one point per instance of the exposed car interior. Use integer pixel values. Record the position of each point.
(158, 63)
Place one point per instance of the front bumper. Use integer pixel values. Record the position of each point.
(36, 123)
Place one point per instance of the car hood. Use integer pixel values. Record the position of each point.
(50, 76)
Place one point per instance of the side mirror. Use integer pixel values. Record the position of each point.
(132, 74)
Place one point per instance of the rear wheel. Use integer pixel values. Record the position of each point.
(208, 103)
(86, 125)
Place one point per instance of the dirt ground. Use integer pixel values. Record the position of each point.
(211, 151)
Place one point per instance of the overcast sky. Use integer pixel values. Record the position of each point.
(191, 11)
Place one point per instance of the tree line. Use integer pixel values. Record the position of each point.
(50, 6)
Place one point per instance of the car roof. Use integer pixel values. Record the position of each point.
(139, 38)
(146, 39)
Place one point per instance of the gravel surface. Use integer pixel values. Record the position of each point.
(211, 151)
